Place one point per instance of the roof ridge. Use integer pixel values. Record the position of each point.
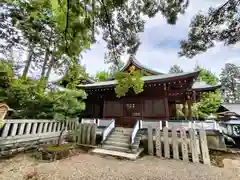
(139, 64)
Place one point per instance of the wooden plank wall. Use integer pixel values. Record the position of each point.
(180, 145)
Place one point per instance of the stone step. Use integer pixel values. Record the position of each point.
(114, 134)
(115, 148)
(117, 143)
(125, 130)
(132, 156)
(118, 139)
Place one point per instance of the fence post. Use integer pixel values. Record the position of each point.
(93, 134)
(79, 133)
(160, 125)
(150, 140)
(40, 128)
(14, 129)
(22, 128)
(158, 142)
(175, 143)
(6, 129)
(194, 124)
(193, 145)
(140, 124)
(166, 124)
(215, 125)
(189, 124)
(166, 143)
(204, 147)
(184, 145)
(84, 133)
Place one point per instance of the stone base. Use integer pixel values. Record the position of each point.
(54, 152)
(130, 156)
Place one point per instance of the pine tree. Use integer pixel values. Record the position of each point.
(175, 69)
(219, 24)
(230, 80)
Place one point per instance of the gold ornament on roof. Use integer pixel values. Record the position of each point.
(132, 68)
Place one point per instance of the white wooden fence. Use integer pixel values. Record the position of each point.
(180, 124)
(26, 132)
(172, 144)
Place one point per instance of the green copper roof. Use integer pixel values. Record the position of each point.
(234, 107)
(146, 79)
(204, 86)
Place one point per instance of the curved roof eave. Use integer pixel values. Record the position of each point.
(147, 79)
(202, 86)
(139, 65)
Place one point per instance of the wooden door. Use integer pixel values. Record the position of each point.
(132, 111)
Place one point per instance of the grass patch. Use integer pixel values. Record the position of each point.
(56, 148)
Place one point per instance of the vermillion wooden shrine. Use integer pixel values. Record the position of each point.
(157, 102)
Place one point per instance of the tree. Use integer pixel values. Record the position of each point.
(230, 80)
(122, 21)
(208, 77)
(116, 67)
(208, 104)
(175, 69)
(43, 31)
(129, 81)
(67, 105)
(209, 101)
(219, 24)
(102, 76)
(77, 22)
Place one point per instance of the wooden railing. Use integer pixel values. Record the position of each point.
(108, 129)
(184, 124)
(20, 131)
(88, 120)
(134, 131)
(98, 122)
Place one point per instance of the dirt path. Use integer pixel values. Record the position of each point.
(86, 166)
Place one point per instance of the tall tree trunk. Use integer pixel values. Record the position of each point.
(44, 67)
(28, 63)
(46, 58)
(51, 63)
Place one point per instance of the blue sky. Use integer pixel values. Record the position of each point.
(160, 45)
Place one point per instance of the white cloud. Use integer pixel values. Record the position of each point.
(157, 32)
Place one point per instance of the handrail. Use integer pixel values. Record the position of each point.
(134, 131)
(89, 120)
(108, 130)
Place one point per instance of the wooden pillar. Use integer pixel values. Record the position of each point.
(185, 110)
(166, 102)
(189, 102)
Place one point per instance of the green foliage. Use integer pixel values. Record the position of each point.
(128, 81)
(208, 104)
(67, 104)
(175, 69)
(28, 99)
(219, 24)
(208, 77)
(102, 76)
(74, 76)
(230, 80)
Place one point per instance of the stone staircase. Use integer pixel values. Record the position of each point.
(119, 141)
(118, 144)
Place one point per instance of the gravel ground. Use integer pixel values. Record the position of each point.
(86, 166)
